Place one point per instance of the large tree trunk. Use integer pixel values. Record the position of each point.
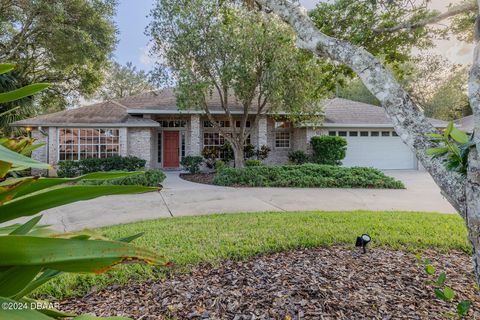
(408, 121)
(239, 158)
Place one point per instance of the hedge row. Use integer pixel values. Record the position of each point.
(70, 169)
(306, 176)
(149, 178)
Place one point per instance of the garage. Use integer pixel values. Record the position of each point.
(381, 149)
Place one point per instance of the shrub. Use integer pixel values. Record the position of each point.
(210, 156)
(253, 163)
(192, 163)
(69, 169)
(306, 176)
(227, 152)
(149, 178)
(249, 151)
(263, 152)
(220, 165)
(298, 157)
(329, 150)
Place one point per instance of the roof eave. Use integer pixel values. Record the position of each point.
(88, 125)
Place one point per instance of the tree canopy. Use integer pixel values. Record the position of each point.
(65, 43)
(213, 46)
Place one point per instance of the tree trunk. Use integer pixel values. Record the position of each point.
(472, 215)
(238, 156)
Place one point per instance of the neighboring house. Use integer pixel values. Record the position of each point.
(465, 124)
(150, 126)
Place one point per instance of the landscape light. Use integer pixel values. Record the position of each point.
(362, 241)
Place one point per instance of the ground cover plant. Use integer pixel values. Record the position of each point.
(190, 241)
(306, 176)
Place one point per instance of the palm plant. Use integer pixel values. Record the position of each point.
(32, 254)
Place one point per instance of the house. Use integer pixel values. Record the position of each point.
(150, 126)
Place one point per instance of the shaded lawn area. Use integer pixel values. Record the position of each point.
(188, 241)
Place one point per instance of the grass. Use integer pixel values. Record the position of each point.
(188, 241)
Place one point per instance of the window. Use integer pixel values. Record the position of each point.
(332, 133)
(173, 123)
(237, 124)
(81, 143)
(182, 145)
(374, 134)
(385, 133)
(353, 133)
(342, 133)
(363, 133)
(214, 141)
(159, 144)
(394, 134)
(221, 123)
(282, 125)
(282, 139)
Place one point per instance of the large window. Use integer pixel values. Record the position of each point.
(214, 141)
(282, 139)
(81, 143)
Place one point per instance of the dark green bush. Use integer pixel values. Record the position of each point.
(298, 157)
(192, 163)
(149, 178)
(329, 150)
(253, 163)
(220, 165)
(306, 176)
(71, 169)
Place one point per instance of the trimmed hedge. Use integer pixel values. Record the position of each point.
(329, 150)
(70, 169)
(149, 178)
(306, 176)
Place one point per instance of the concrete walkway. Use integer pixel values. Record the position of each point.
(183, 198)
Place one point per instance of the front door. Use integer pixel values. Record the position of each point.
(170, 149)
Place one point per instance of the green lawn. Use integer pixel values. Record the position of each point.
(191, 240)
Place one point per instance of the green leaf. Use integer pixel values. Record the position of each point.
(108, 175)
(27, 226)
(436, 136)
(16, 278)
(439, 294)
(9, 156)
(459, 135)
(463, 307)
(6, 67)
(131, 238)
(448, 293)
(447, 131)
(71, 255)
(54, 313)
(46, 276)
(23, 92)
(17, 314)
(441, 279)
(436, 151)
(27, 206)
(429, 269)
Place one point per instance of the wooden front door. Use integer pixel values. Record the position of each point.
(171, 149)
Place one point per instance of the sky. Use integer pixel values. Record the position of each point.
(132, 19)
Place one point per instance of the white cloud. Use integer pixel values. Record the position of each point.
(145, 59)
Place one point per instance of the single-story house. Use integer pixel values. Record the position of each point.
(150, 126)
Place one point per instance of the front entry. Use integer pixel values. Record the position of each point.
(171, 149)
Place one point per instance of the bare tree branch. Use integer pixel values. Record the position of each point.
(453, 11)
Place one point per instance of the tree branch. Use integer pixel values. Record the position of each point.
(408, 121)
(453, 11)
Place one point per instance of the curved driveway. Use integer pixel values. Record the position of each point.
(183, 198)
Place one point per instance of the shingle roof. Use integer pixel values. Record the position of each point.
(465, 123)
(337, 111)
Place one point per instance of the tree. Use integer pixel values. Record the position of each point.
(462, 191)
(213, 46)
(65, 43)
(123, 81)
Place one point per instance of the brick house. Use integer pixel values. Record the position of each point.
(150, 126)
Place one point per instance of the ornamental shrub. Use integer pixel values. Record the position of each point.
(308, 175)
(70, 169)
(149, 178)
(298, 157)
(220, 165)
(329, 150)
(253, 163)
(192, 163)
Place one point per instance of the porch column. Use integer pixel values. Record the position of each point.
(262, 132)
(194, 135)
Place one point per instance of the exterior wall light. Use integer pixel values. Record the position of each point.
(362, 241)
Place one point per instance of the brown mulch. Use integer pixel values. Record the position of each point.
(334, 283)
(205, 178)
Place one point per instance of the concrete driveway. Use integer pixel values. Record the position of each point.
(183, 198)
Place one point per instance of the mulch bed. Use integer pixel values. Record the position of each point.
(205, 178)
(334, 283)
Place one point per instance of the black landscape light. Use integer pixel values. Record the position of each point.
(362, 241)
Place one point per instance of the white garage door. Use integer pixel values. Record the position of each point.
(380, 149)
